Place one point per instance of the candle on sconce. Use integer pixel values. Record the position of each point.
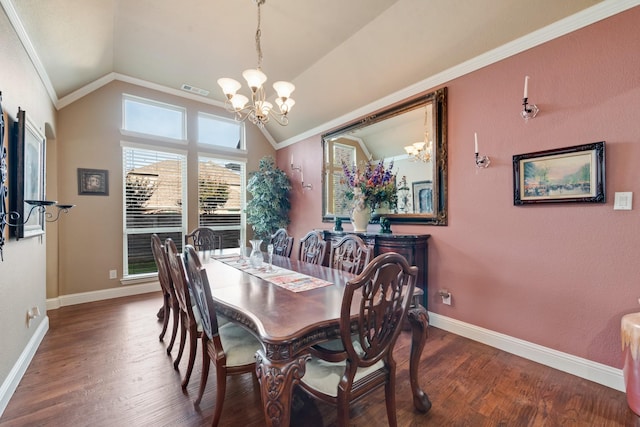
(475, 135)
(292, 160)
(302, 177)
(526, 87)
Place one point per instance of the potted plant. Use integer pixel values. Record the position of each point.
(269, 206)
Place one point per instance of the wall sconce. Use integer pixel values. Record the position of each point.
(40, 205)
(307, 186)
(529, 111)
(481, 161)
(299, 169)
(295, 168)
(11, 218)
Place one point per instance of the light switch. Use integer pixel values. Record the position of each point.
(623, 201)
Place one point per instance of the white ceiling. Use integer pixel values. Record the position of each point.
(342, 55)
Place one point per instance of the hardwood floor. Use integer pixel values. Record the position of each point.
(101, 364)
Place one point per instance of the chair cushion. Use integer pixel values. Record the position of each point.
(198, 318)
(239, 345)
(325, 376)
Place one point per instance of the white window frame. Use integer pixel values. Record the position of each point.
(158, 104)
(243, 193)
(220, 148)
(126, 231)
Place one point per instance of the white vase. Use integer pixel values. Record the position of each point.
(360, 216)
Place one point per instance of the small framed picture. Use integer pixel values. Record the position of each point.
(423, 197)
(93, 182)
(571, 174)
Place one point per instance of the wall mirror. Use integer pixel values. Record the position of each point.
(412, 134)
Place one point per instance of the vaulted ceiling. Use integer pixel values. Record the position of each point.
(343, 56)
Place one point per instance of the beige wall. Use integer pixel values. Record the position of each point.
(22, 274)
(90, 137)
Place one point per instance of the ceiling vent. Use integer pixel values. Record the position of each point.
(194, 89)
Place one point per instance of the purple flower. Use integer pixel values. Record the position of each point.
(376, 183)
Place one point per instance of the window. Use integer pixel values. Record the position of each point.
(220, 132)
(155, 179)
(340, 153)
(221, 189)
(153, 118)
(154, 189)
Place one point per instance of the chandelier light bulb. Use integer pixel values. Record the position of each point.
(284, 89)
(255, 78)
(419, 151)
(263, 107)
(285, 106)
(239, 101)
(229, 86)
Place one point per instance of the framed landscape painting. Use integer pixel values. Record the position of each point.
(571, 174)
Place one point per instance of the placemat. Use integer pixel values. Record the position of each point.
(287, 279)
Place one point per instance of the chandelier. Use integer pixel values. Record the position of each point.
(421, 151)
(259, 110)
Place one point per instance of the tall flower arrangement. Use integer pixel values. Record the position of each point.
(371, 184)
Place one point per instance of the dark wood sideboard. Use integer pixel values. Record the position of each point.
(414, 247)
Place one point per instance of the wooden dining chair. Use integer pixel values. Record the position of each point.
(312, 248)
(350, 254)
(203, 239)
(170, 303)
(365, 360)
(189, 313)
(230, 347)
(282, 243)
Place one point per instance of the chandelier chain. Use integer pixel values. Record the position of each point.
(258, 35)
(258, 110)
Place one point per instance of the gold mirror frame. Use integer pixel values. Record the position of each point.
(438, 120)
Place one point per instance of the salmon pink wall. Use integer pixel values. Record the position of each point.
(560, 276)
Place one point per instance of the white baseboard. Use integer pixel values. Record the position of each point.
(583, 368)
(83, 297)
(10, 384)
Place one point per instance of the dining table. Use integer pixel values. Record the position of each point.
(290, 306)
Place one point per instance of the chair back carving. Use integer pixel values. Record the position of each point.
(386, 286)
(350, 254)
(199, 284)
(179, 278)
(282, 243)
(203, 239)
(162, 263)
(312, 248)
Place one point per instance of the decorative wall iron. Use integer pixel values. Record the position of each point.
(13, 218)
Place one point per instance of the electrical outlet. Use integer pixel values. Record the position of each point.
(32, 314)
(113, 274)
(446, 296)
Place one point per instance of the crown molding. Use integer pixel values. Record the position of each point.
(598, 12)
(588, 16)
(28, 47)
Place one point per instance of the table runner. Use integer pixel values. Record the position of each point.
(287, 279)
